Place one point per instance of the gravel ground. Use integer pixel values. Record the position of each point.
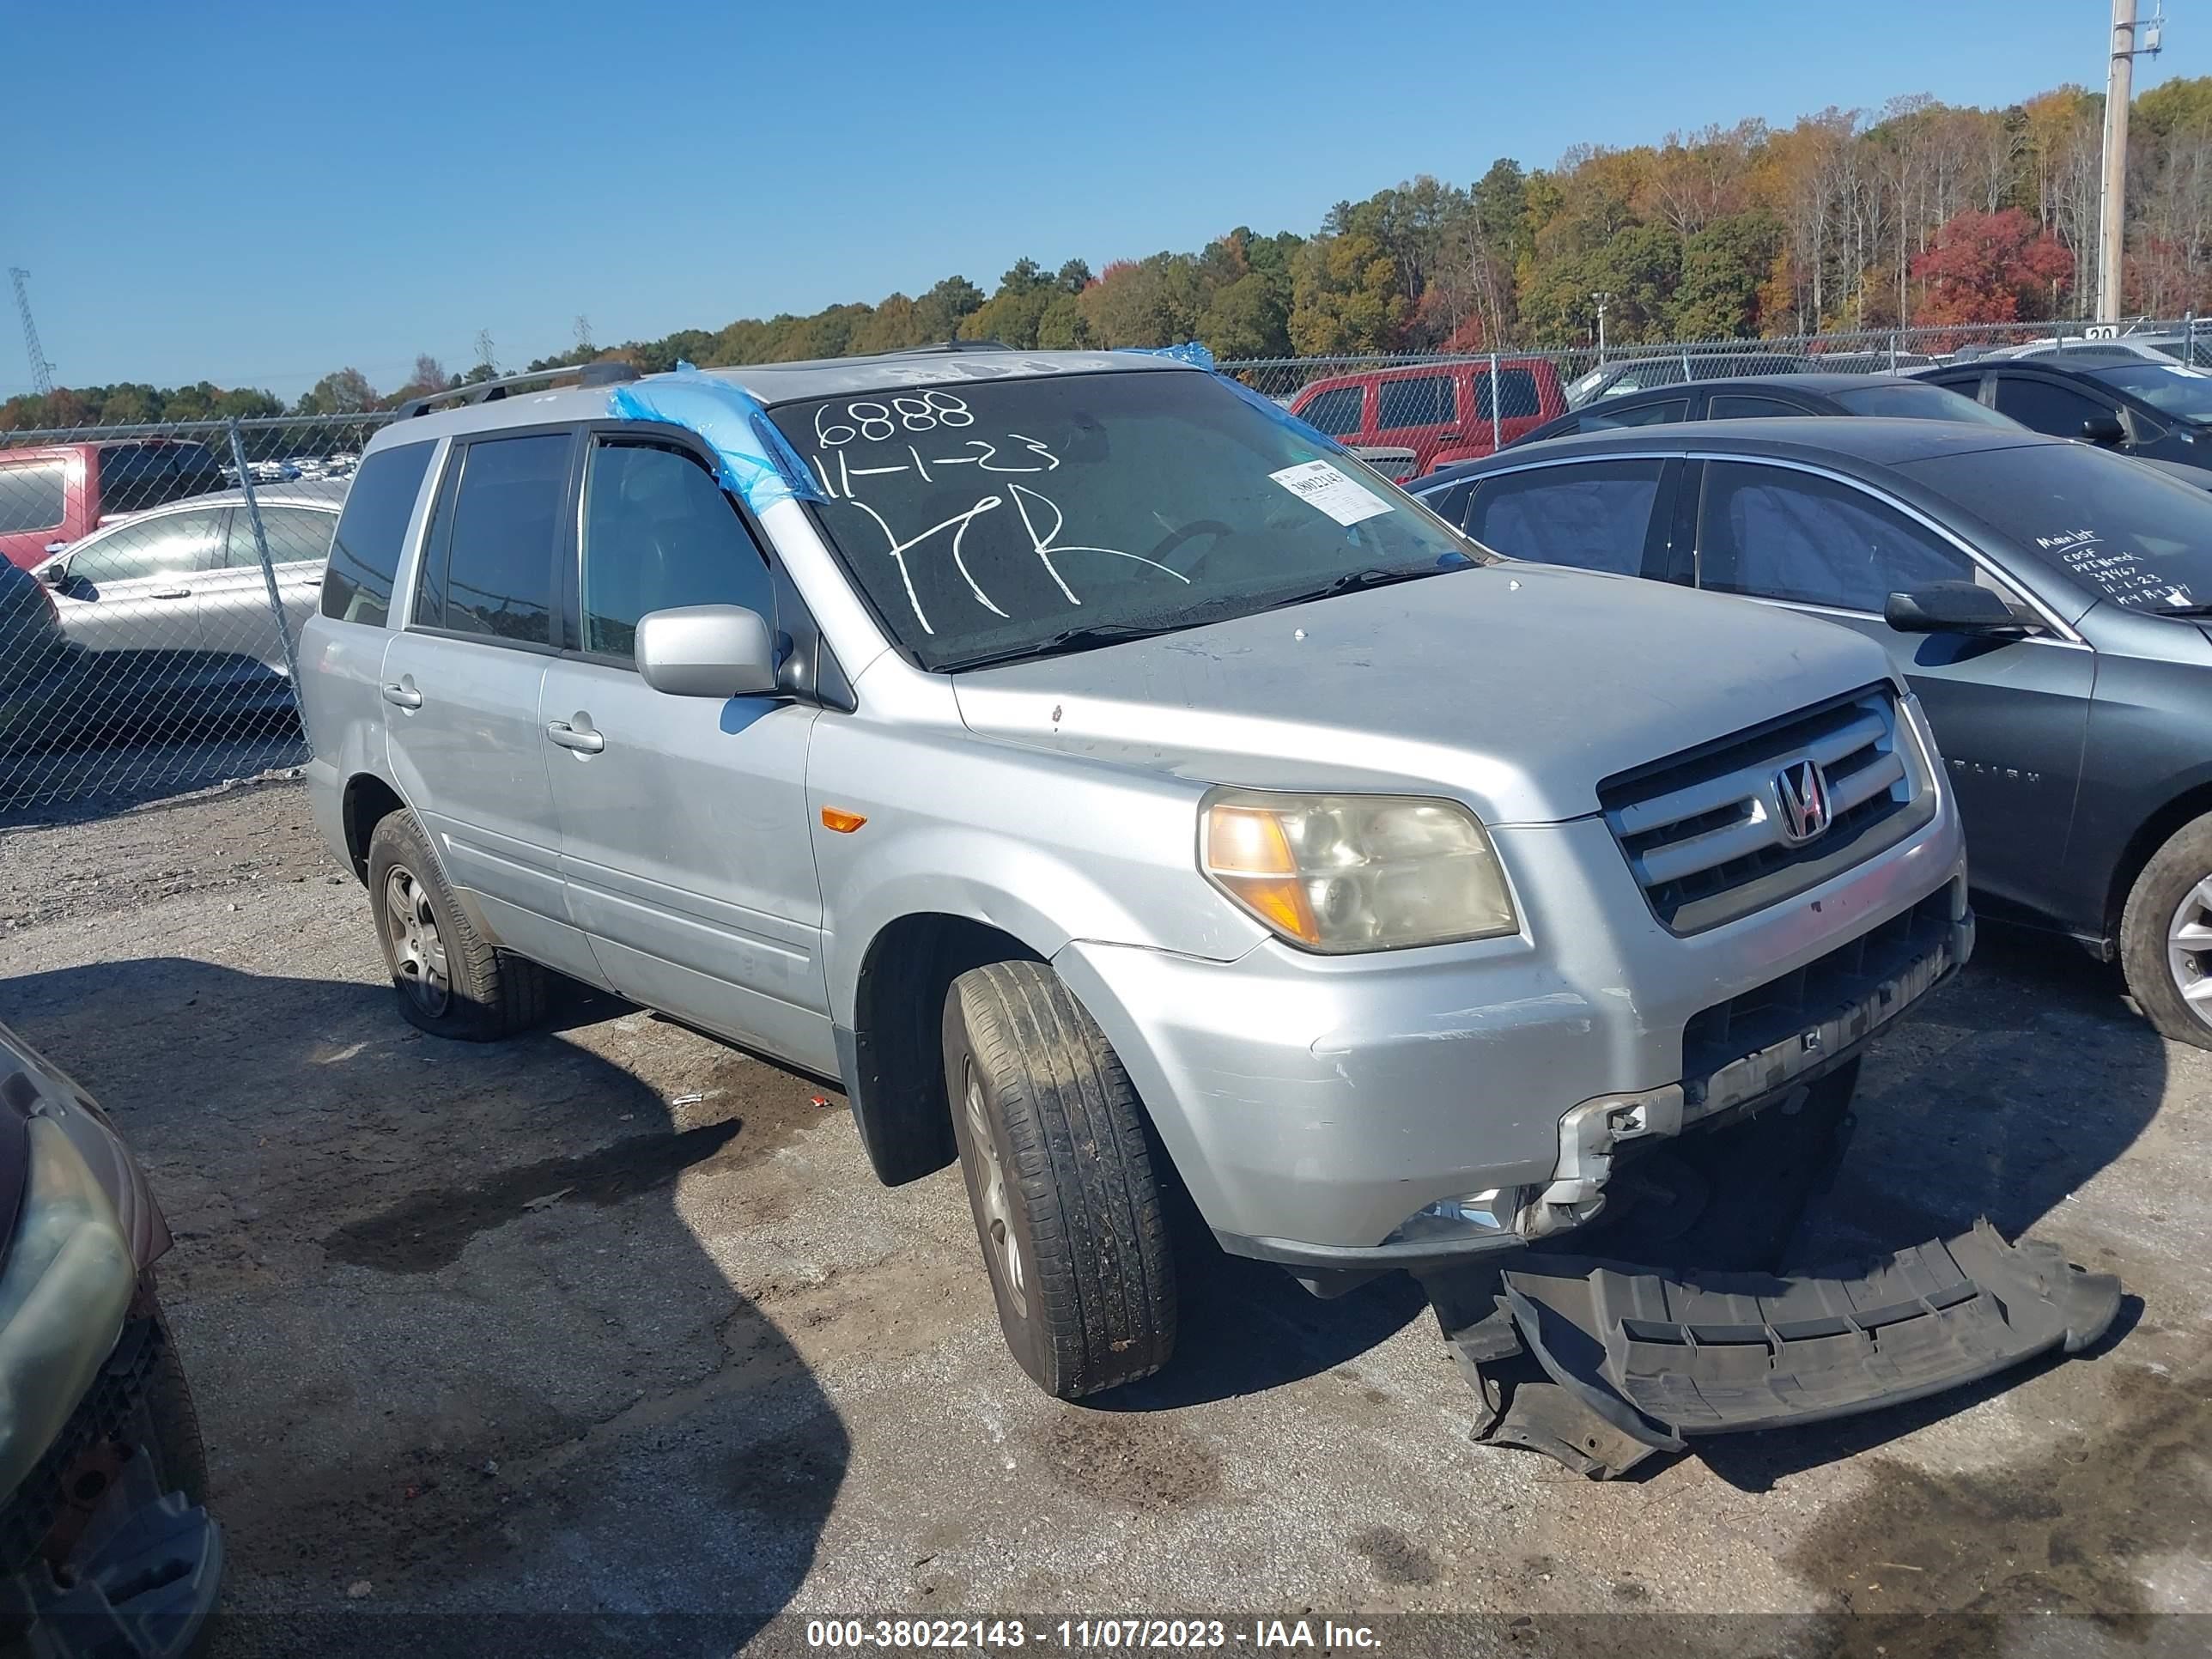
(611, 1321)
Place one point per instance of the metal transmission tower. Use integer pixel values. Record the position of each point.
(42, 372)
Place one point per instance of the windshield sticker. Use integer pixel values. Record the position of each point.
(2118, 574)
(924, 433)
(1318, 484)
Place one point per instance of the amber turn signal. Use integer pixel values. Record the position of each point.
(842, 821)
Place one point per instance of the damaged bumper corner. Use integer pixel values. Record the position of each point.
(1638, 1360)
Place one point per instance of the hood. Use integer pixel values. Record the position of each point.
(1516, 687)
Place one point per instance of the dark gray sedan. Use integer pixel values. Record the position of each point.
(2048, 602)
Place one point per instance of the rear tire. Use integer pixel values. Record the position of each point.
(1067, 1209)
(450, 981)
(2166, 936)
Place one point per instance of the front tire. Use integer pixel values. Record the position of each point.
(451, 983)
(1067, 1209)
(2166, 936)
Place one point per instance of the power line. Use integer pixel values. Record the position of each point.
(42, 372)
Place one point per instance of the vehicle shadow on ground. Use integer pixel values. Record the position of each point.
(465, 1373)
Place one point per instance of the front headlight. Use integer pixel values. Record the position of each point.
(1355, 872)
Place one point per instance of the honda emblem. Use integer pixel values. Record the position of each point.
(1801, 789)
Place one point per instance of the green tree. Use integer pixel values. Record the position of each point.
(1723, 267)
(342, 391)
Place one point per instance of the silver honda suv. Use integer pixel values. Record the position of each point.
(1115, 785)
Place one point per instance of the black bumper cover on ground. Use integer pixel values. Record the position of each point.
(1639, 1359)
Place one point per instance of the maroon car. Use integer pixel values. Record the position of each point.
(53, 494)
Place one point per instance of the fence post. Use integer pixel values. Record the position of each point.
(2189, 337)
(1497, 407)
(261, 550)
(1892, 351)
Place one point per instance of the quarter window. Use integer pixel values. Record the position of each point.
(1420, 400)
(1592, 515)
(365, 549)
(31, 497)
(658, 533)
(1784, 535)
(506, 519)
(1336, 411)
(1517, 395)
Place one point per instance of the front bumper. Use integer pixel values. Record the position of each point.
(1312, 1105)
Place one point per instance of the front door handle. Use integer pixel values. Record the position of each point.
(582, 740)
(403, 697)
(174, 594)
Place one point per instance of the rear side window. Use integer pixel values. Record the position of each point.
(1658, 414)
(1517, 395)
(1592, 515)
(1336, 411)
(365, 552)
(30, 497)
(1423, 400)
(296, 535)
(506, 518)
(1735, 406)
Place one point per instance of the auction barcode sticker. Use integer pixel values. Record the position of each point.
(1318, 484)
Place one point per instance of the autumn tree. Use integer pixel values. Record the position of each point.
(1989, 268)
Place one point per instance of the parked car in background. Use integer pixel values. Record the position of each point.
(2046, 600)
(2196, 351)
(2155, 411)
(106, 1543)
(1443, 412)
(54, 495)
(188, 577)
(1627, 374)
(1767, 397)
(1867, 362)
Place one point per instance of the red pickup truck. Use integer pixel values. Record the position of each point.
(1444, 411)
(51, 494)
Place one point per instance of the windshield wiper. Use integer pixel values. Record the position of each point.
(2183, 610)
(1072, 638)
(1353, 581)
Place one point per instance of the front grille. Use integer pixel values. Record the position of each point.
(1704, 831)
(1849, 973)
(106, 1412)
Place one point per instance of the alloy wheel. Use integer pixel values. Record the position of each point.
(418, 949)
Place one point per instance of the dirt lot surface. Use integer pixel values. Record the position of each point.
(612, 1320)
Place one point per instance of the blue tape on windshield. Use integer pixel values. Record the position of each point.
(757, 464)
(1189, 352)
(1281, 416)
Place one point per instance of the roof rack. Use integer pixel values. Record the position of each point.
(950, 345)
(608, 373)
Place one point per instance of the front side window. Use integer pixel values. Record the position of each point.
(2184, 394)
(1420, 400)
(985, 519)
(32, 496)
(498, 565)
(1591, 514)
(2045, 406)
(173, 544)
(1335, 412)
(660, 532)
(296, 535)
(365, 549)
(1780, 534)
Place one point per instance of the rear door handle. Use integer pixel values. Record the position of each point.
(584, 741)
(403, 697)
(174, 594)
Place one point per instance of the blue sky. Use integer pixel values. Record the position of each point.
(256, 193)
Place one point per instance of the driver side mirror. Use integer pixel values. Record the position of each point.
(2104, 431)
(1954, 608)
(707, 651)
(55, 572)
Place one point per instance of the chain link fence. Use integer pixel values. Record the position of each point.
(154, 579)
(153, 583)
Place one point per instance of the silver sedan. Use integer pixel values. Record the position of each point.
(188, 577)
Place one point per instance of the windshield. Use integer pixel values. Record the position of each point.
(1911, 400)
(2116, 528)
(988, 519)
(2184, 393)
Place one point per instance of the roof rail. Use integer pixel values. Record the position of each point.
(610, 373)
(950, 345)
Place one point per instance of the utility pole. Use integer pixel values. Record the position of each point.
(1601, 299)
(2112, 210)
(42, 372)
